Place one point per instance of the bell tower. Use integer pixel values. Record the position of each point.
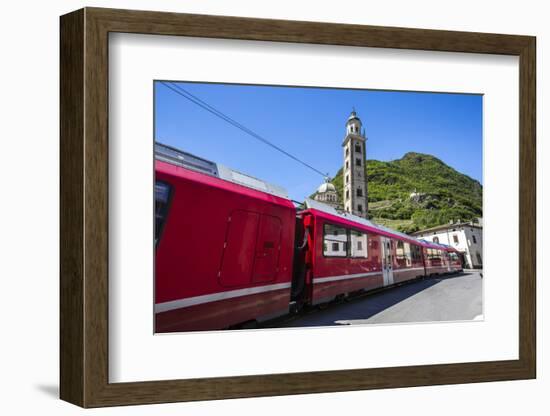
(354, 172)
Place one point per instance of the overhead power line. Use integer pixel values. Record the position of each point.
(196, 100)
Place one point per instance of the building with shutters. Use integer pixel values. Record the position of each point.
(466, 237)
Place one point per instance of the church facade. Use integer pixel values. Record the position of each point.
(354, 178)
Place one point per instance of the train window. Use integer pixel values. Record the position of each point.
(335, 241)
(400, 251)
(403, 253)
(403, 249)
(162, 198)
(416, 253)
(434, 254)
(358, 244)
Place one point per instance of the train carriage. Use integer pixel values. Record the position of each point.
(349, 254)
(453, 259)
(440, 258)
(224, 245)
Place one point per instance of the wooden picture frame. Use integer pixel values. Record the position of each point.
(84, 207)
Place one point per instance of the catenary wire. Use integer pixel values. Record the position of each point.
(196, 100)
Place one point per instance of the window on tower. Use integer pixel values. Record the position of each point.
(360, 208)
(358, 148)
(347, 178)
(347, 164)
(347, 151)
(347, 194)
(359, 192)
(357, 162)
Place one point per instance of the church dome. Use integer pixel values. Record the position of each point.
(353, 116)
(326, 187)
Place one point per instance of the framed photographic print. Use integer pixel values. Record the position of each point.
(254, 207)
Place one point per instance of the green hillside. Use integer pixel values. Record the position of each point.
(445, 194)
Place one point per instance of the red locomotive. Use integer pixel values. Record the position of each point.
(232, 250)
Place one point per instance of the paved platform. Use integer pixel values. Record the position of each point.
(446, 298)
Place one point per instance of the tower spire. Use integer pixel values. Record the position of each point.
(354, 178)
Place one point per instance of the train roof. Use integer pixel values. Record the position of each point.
(349, 219)
(440, 246)
(187, 160)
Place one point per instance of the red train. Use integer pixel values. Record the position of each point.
(232, 250)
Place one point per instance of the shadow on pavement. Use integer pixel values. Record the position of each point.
(364, 306)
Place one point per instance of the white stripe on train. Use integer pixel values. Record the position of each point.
(344, 277)
(197, 300)
(358, 275)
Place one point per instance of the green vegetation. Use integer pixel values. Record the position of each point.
(444, 193)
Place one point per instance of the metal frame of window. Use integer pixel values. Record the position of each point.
(366, 248)
(325, 240)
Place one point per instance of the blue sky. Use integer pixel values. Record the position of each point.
(310, 124)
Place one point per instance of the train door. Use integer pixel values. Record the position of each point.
(387, 261)
(251, 249)
(268, 248)
(239, 248)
